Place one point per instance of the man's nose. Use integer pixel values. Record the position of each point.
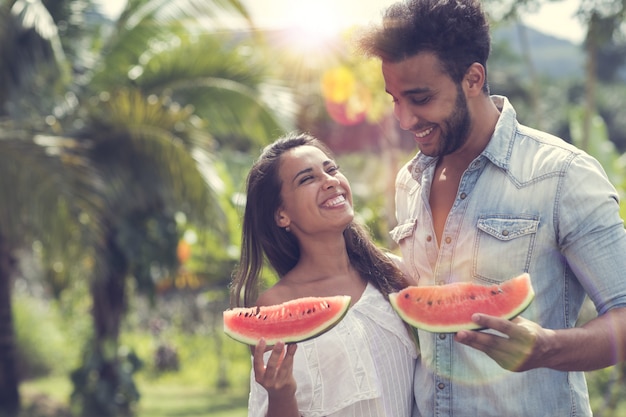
(406, 118)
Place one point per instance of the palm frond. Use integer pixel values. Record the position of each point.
(152, 154)
(49, 193)
(32, 14)
(146, 23)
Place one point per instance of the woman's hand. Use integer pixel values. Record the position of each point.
(277, 377)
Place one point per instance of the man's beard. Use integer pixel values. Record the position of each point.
(457, 126)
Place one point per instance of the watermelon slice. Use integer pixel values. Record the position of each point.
(449, 308)
(294, 321)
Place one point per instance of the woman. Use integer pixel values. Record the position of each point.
(299, 216)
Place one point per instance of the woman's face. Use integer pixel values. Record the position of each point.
(316, 195)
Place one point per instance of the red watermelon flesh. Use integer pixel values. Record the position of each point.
(293, 321)
(449, 308)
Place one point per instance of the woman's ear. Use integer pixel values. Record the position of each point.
(281, 219)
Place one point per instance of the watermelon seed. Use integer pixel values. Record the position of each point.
(406, 295)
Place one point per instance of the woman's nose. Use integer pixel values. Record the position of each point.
(331, 181)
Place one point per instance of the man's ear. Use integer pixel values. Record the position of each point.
(474, 79)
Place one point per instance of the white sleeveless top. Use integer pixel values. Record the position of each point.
(363, 367)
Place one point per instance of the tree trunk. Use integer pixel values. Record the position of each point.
(109, 295)
(9, 380)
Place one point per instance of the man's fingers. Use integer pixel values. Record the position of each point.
(502, 325)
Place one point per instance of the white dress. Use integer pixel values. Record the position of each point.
(363, 367)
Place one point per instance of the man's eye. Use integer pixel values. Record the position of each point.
(418, 101)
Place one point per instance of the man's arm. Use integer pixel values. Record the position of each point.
(525, 345)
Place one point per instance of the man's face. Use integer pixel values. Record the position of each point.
(428, 103)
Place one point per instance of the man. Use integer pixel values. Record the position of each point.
(485, 200)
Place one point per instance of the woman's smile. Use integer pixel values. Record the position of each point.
(334, 201)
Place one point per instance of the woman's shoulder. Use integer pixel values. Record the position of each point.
(277, 294)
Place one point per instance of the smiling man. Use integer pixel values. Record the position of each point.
(484, 200)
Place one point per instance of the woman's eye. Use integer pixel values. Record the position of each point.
(305, 179)
(333, 170)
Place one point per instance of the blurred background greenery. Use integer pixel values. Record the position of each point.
(124, 144)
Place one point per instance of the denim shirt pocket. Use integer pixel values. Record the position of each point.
(504, 246)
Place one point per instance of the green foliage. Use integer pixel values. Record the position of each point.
(41, 339)
(206, 358)
(150, 241)
(104, 384)
(607, 391)
(603, 149)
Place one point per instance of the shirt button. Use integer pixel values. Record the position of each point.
(505, 233)
(448, 239)
(442, 336)
(429, 238)
(441, 385)
(463, 196)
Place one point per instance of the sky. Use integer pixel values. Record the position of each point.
(556, 19)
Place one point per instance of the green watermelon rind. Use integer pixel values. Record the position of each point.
(343, 301)
(455, 327)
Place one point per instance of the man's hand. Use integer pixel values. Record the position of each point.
(522, 346)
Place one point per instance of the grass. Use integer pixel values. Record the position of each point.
(183, 401)
(207, 362)
(172, 396)
(157, 399)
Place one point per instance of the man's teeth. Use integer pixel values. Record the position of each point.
(424, 132)
(335, 201)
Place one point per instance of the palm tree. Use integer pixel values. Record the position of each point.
(150, 101)
(41, 194)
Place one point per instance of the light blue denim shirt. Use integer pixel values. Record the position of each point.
(529, 203)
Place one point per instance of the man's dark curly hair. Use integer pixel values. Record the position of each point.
(456, 31)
